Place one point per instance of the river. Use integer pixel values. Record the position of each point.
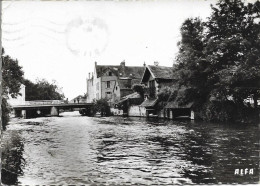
(74, 149)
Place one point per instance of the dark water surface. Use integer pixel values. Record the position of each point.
(81, 150)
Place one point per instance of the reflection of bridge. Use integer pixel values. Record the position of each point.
(47, 107)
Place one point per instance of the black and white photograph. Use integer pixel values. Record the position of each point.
(130, 92)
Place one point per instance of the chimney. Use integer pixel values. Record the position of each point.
(156, 63)
(89, 75)
(122, 65)
(92, 75)
(95, 63)
(144, 64)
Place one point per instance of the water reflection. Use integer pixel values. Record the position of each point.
(115, 150)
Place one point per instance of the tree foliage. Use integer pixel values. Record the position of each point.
(218, 61)
(102, 106)
(42, 90)
(191, 62)
(233, 49)
(12, 75)
(139, 88)
(12, 78)
(167, 94)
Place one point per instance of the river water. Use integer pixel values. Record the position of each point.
(74, 149)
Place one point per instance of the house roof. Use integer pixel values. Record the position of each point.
(124, 83)
(134, 95)
(158, 72)
(175, 105)
(133, 72)
(101, 69)
(161, 72)
(149, 103)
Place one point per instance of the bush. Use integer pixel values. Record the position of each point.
(5, 112)
(12, 159)
(139, 88)
(227, 111)
(101, 106)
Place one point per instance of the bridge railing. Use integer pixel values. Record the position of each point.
(44, 102)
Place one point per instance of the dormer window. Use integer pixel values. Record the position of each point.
(109, 73)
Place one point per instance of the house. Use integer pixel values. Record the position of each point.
(112, 82)
(155, 78)
(128, 105)
(20, 99)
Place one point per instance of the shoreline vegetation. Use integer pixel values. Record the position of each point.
(218, 63)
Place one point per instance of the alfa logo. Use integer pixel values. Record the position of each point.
(243, 172)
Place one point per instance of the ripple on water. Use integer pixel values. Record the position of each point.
(80, 150)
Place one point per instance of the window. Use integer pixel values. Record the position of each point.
(152, 89)
(108, 95)
(151, 83)
(110, 73)
(108, 84)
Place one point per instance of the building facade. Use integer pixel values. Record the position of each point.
(112, 81)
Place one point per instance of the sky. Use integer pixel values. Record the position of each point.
(61, 40)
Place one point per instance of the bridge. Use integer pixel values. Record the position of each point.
(48, 108)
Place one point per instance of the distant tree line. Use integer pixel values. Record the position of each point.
(42, 90)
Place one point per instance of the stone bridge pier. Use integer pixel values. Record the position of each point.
(20, 113)
(54, 111)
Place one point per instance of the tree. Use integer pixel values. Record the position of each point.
(12, 75)
(102, 106)
(167, 94)
(139, 88)
(218, 61)
(191, 64)
(233, 49)
(42, 90)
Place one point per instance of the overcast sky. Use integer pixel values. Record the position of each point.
(61, 40)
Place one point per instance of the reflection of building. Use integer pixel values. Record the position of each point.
(112, 82)
(20, 99)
